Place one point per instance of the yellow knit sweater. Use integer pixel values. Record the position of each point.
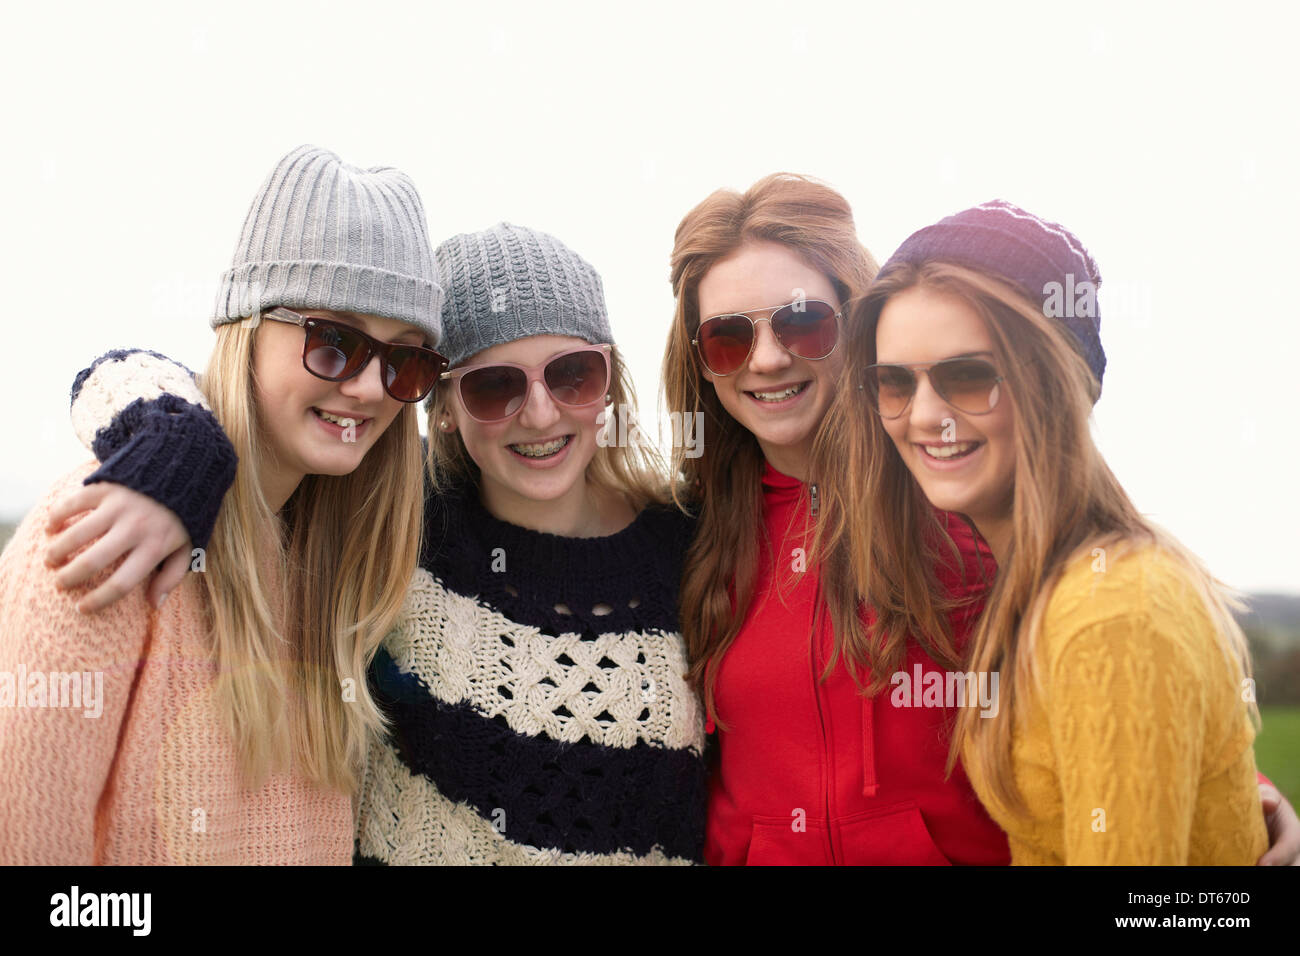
(1137, 750)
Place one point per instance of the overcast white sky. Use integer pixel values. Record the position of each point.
(1164, 136)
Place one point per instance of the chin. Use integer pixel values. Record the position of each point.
(786, 435)
(542, 490)
(335, 465)
(958, 502)
(546, 486)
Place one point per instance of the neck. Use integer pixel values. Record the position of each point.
(996, 531)
(278, 484)
(581, 512)
(789, 460)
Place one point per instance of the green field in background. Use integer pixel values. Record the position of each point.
(1277, 749)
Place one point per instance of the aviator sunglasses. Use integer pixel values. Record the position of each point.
(497, 391)
(806, 329)
(337, 352)
(969, 385)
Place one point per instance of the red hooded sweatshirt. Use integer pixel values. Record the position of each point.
(812, 772)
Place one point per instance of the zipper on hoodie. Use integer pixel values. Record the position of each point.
(826, 756)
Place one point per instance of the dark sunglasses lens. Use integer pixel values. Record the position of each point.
(333, 351)
(969, 385)
(891, 387)
(808, 331)
(577, 379)
(725, 342)
(410, 373)
(493, 393)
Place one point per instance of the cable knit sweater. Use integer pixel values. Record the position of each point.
(541, 711)
(110, 742)
(1138, 748)
(536, 683)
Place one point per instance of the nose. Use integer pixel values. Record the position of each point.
(367, 387)
(768, 355)
(928, 409)
(539, 412)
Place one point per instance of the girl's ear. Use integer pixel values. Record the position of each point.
(447, 421)
(441, 416)
(446, 415)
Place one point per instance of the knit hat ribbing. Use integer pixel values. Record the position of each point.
(509, 282)
(322, 234)
(1044, 258)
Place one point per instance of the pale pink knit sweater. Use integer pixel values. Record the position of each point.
(153, 779)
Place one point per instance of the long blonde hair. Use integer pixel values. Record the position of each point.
(1066, 501)
(632, 470)
(724, 483)
(299, 602)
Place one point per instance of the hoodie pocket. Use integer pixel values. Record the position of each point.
(888, 836)
(775, 841)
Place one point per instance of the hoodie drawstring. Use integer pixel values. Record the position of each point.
(869, 785)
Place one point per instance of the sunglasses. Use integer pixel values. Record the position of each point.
(498, 391)
(806, 329)
(969, 385)
(337, 352)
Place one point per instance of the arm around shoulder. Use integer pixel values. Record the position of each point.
(146, 421)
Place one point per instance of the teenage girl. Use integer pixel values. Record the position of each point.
(536, 675)
(1123, 728)
(816, 763)
(810, 768)
(230, 725)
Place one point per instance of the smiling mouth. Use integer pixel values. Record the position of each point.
(342, 421)
(950, 451)
(538, 450)
(781, 395)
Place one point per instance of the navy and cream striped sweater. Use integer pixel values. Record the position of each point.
(536, 683)
(539, 703)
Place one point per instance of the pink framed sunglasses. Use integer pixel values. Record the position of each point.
(497, 391)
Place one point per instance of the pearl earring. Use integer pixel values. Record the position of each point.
(443, 424)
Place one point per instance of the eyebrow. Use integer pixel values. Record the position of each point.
(764, 308)
(963, 355)
(960, 355)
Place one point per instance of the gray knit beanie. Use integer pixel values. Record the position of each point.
(509, 282)
(325, 235)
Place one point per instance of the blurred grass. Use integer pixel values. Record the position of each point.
(1277, 749)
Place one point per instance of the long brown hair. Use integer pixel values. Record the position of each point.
(299, 602)
(723, 483)
(1065, 502)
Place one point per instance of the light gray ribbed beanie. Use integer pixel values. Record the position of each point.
(509, 282)
(325, 235)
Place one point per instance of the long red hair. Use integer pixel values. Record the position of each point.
(722, 485)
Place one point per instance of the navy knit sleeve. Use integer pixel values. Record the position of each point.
(146, 421)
